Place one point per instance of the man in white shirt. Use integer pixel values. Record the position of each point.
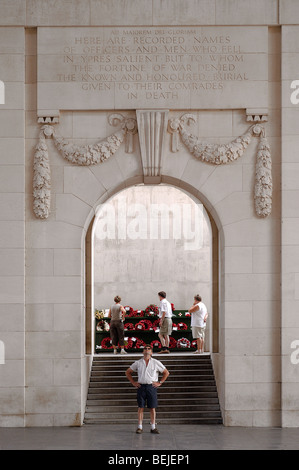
(147, 383)
(199, 315)
(165, 314)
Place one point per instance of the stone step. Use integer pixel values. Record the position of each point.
(188, 396)
(167, 358)
(174, 378)
(170, 367)
(162, 415)
(122, 387)
(163, 407)
(176, 420)
(132, 401)
(131, 395)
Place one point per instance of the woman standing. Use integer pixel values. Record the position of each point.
(117, 315)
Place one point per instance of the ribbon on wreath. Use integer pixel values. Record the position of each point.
(156, 344)
(183, 343)
(182, 326)
(136, 343)
(152, 310)
(129, 311)
(144, 325)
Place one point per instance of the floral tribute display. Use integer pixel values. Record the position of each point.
(152, 310)
(99, 314)
(138, 313)
(156, 344)
(182, 326)
(142, 327)
(129, 311)
(103, 325)
(172, 342)
(135, 343)
(106, 343)
(183, 343)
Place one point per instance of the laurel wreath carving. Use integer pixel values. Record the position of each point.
(78, 155)
(221, 154)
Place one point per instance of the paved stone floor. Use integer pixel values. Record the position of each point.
(172, 438)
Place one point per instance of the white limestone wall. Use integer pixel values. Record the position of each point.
(144, 263)
(290, 227)
(12, 228)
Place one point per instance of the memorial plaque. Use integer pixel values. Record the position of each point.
(152, 67)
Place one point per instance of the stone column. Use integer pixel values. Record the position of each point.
(12, 218)
(290, 228)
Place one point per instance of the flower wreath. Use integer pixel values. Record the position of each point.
(99, 314)
(102, 325)
(128, 326)
(156, 324)
(138, 313)
(182, 326)
(128, 310)
(172, 342)
(194, 344)
(152, 310)
(143, 325)
(135, 343)
(106, 343)
(156, 344)
(183, 343)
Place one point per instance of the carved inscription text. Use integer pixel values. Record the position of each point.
(153, 66)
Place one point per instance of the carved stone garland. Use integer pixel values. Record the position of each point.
(78, 155)
(221, 154)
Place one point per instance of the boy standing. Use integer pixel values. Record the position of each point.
(147, 384)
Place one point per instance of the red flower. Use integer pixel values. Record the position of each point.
(138, 313)
(137, 343)
(152, 310)
(183, 343)
(144, 325)
(128, 310)
(106, 343)
(156, 344)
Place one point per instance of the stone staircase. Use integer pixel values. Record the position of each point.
(189, 396)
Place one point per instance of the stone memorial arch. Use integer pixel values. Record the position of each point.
(186, 100)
